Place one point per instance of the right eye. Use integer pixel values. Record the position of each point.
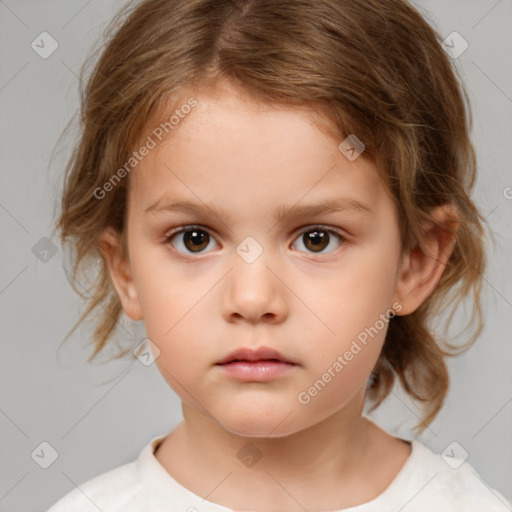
(189, 238)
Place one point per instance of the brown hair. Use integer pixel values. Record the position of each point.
(374, 68)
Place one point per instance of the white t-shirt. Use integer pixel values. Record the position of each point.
(426, 483)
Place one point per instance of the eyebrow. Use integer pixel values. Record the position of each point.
(336, 205)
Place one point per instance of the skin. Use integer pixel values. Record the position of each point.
(249, 159)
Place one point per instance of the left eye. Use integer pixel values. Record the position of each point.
(195, 239)
(318, 238)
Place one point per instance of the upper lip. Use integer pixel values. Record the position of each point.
(259, 354)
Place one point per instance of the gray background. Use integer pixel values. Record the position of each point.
(98, 417)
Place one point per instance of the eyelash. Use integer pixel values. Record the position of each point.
(325, 256)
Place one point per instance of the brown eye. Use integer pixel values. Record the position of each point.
(316, 240)
(193, 240)
(190, 241)
(196, 240)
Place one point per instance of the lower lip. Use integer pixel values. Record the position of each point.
(257, 371)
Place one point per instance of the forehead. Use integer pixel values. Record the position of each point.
(229, 150)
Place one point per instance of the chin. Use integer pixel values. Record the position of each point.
(259, 431)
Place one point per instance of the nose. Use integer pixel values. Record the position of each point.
(255, 292)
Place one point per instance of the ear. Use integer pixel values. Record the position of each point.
(120, 272)
(421, 268)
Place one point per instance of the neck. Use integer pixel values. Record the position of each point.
(342, 461)
(307, 452)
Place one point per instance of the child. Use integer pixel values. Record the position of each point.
(279, 190)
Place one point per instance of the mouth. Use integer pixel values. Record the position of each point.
(261, 354)
(258, 365)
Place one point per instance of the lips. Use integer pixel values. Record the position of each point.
(251, 355)
(257, 366)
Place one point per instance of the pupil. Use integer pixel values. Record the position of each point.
(319, 239)
(196, 240)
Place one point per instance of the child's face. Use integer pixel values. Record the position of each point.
(202, 296)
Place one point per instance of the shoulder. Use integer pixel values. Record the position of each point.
(446, 482)
(109, 492)
(141, 485)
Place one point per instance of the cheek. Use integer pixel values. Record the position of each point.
(362, 290)
(355, 310)
(173, 306)
(343, 366)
